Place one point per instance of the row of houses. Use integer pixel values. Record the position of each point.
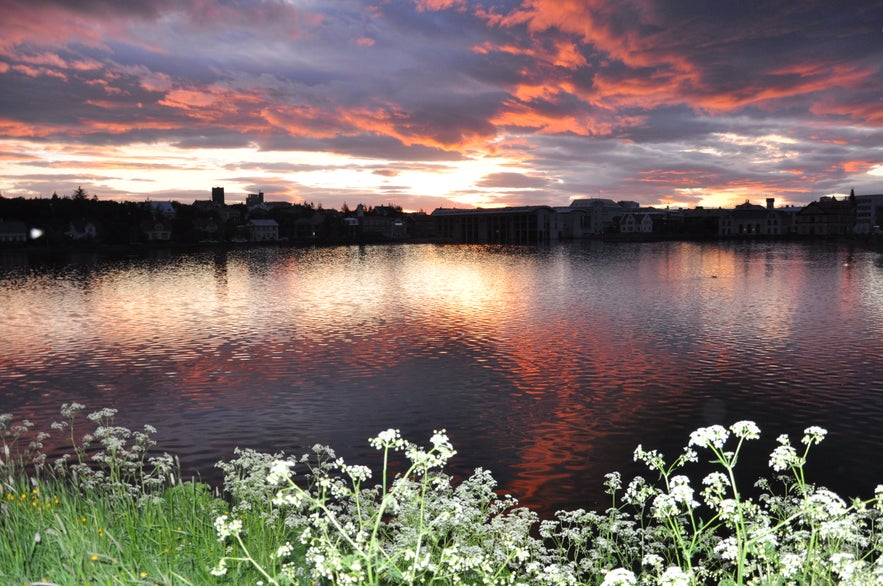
(828, 217)
(213, 221)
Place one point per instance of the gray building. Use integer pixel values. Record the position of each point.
(869, 214)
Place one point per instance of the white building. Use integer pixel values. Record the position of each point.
(640, 223)
(263, 230)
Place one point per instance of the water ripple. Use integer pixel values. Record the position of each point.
(546, 366)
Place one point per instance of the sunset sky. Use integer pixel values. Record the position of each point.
(442, 103)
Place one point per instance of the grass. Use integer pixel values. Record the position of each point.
(110, 513)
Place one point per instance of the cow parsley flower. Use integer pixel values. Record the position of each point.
(225, 526)
(745, 430)
(674, 576)
(653, 459)
(813, 435)
(280, 472)
(619, 577)
(709, 437)
(220, 569)
(727, 549)
(664, 506)
(682, 492)
(784, 456)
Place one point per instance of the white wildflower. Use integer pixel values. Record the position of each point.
(284, 550)
(674, 576)
(653, 459)
(280, 472)
(220, 569)
(745, 430)
(638, 491)
(357, 473)
(682, 492)
(613, 482)
(652, 561)
(619, 577)
(664, 506)
(728, 549)
(728, 509)
(709, 437)
(813, 435)
(791, 564)
(784, 456)
(226, 526)
(844, 565)
(390, 438)
(717, 484)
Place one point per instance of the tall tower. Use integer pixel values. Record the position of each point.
(218, 195)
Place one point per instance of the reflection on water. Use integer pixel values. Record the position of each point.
(547, 366)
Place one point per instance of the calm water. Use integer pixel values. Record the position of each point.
(547, 366)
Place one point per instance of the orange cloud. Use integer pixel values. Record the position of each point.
(16, 129)
(306, 121)
(859, 167)
(867, 112)
(568, 55)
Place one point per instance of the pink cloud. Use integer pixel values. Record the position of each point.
(38, 71)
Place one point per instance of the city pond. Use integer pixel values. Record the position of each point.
(546, 365)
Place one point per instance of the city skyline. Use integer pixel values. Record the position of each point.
(442, 103)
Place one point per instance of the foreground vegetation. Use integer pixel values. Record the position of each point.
(109, 512)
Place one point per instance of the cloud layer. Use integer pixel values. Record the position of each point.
(442, 102)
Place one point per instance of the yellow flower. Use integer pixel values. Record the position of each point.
(94, 557)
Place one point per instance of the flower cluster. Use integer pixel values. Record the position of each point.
(420, 527)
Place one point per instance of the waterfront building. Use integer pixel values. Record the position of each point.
(263, 230)
(13, 231)
(600, 214)
(513, 225)
(156, 230)
(869, 214)
(748, 220)
(572, 223)
(636, 223)
(828, 217)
